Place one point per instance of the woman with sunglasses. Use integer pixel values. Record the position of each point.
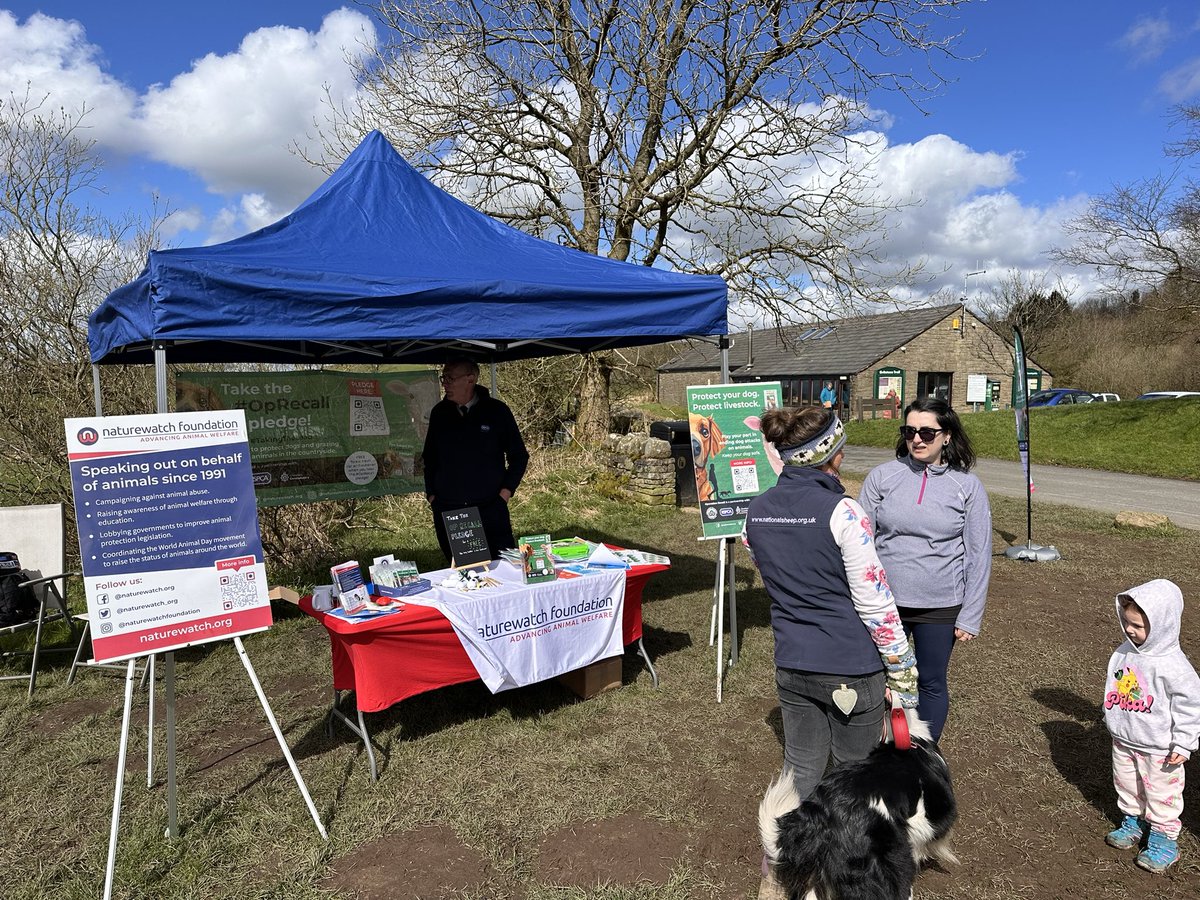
(933, 533)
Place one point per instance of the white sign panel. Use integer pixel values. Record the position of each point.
(168, 531)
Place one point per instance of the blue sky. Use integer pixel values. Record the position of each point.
(200, 103)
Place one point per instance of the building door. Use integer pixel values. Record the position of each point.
(935, 384)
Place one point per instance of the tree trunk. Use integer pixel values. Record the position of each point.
(591, 427)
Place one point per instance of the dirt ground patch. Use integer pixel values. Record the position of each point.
(1026, 742)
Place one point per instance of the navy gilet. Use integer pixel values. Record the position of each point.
(812, 615)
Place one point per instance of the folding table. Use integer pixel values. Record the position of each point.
(392, 657)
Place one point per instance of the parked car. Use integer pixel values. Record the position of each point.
(1106, 397)
(1060, 397)
(1168, 395)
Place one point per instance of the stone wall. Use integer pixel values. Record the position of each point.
(643, 467)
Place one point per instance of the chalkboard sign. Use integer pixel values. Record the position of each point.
(468, 543)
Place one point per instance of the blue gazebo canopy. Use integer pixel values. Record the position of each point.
(379, 265)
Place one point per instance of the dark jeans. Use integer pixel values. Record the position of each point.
(815, 732)
(496, 525)
(932, 645)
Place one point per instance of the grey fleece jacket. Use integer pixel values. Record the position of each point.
(933, 534)
(1152, 693)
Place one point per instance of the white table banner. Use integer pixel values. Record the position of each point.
(518, 634)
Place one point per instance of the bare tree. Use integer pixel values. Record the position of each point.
(713, 136)
(1030, 302)
(58, 259)
(1145, 234)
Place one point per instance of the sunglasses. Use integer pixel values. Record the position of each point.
(927, 434)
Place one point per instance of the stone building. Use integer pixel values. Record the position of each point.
(943, 351)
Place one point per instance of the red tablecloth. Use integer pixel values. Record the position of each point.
(402, 654)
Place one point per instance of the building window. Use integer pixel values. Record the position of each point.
(935, 384)
(806, 390)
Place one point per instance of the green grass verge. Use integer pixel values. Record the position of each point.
(1160, 437)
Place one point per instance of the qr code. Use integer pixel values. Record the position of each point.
(745, 476)
(367, 416)
(239, 589)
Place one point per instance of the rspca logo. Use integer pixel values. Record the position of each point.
(262, 478)
(87, 436)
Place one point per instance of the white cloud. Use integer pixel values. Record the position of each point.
(51, 58)
(1181, 83)
(1147, 38)
(252, 212)
(231, 119)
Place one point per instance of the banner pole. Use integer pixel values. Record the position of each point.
(721, 617)
(732, 582)
(110, 867)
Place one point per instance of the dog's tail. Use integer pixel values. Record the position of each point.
(781, 798)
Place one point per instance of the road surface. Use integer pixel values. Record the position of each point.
(1089, 488)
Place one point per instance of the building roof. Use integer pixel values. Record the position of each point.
(839, 347)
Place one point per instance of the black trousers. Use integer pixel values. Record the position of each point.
(497, 525)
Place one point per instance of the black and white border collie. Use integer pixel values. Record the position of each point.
(867, 826)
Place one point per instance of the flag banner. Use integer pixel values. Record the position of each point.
(1021, 400)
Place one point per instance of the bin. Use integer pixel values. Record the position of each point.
(679, 436)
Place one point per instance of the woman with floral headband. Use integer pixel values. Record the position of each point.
(840, 650)
(933, 531)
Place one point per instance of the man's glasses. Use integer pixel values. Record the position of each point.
(450, 379)
(927, 434)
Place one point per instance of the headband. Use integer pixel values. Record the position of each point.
(817, 451)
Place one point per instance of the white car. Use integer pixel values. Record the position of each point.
(1168, 395)
(1106, 397)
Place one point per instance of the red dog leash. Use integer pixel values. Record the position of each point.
(900, 734)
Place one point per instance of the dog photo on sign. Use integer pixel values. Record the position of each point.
(868, 825)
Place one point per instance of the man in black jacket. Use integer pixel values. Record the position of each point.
(473, 455)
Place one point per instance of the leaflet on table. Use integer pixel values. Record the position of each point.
(392, 578)
(370, 611)
(537, 563)
(642, 558)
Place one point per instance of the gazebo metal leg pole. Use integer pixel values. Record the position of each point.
(150, 724)
(172, 802)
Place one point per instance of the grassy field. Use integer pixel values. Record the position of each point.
(1146, 438)
(637, 794)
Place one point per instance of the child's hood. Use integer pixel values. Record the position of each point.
(1162, 602)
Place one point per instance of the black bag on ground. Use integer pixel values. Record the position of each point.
(17, 604)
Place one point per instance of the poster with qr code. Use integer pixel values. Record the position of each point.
(731, 460)
(325, 435)
(168, 530)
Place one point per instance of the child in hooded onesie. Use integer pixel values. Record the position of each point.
(1152, 710)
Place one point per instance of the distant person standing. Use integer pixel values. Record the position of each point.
(473, 455)
(828, 395)
(933, 534)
